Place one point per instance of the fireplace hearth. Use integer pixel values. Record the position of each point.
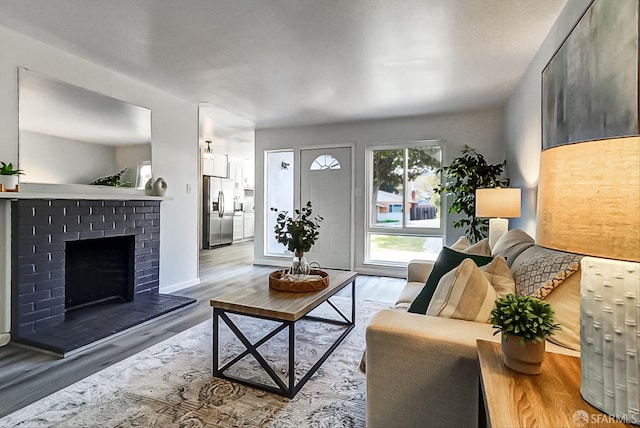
(83, 270)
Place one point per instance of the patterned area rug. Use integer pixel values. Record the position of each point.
(170, 384)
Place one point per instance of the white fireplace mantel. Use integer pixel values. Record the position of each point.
(78, 191)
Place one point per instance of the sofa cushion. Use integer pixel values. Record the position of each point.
(512, 244)
(460, 244)
(464, 246)
(447, 260)
(481, 247)
(500, 277)
(537, 271)
(463, 293)
(565, 301)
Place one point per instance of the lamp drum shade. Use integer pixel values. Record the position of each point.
(498, 202)
(589, 198)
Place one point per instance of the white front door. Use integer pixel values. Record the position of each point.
(326, 181)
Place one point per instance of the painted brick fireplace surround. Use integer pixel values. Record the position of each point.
(41, 233)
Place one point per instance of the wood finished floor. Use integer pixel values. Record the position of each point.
(27, 375)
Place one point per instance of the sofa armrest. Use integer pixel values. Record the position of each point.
(419, 270)
(422, 370)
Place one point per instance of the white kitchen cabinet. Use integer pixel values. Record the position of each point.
(248, 173)
(238, 227)
(216, 167)
(248, 226)
(236, 172)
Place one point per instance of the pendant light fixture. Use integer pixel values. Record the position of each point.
(207, 153)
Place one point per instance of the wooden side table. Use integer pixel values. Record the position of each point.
(550, 399)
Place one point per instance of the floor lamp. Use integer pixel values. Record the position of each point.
(498, 204)
(589, 203)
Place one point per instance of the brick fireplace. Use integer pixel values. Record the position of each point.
(83, 270)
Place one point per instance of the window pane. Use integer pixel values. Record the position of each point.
(387, 188)
(402, 248)
(423, 202)
(324, 162)
(279, 195)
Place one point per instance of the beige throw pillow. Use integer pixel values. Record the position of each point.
(481, 247)
(500, 277)
(463, 293)
(464, 246)
(565, 301)
(461, 244)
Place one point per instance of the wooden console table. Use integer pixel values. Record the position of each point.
(550, 399)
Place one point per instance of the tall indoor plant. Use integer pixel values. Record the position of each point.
(524, 323)
(299, 234)
(9, 175)
(462, 177)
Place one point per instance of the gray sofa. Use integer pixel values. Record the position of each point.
(422, 371)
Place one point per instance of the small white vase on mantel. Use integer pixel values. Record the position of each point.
(9, 181)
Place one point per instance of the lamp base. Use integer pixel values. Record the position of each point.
(609, 336)
(497, 228)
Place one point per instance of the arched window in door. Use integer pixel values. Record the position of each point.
(324, 162)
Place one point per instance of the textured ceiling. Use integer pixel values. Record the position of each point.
(270, 63)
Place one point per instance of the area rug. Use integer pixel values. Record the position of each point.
(170, 384)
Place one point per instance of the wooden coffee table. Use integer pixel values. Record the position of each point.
(259, 301)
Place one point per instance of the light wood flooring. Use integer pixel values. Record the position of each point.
(27, 375)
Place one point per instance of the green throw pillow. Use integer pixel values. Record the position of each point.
(447, 260)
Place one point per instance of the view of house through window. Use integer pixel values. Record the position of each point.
(404, 211)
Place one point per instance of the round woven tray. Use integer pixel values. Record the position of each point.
(299, 286)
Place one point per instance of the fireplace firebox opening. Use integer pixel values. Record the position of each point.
(98, 271)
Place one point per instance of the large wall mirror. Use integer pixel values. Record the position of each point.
(71, 135)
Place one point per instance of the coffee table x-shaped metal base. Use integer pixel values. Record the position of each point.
(290, 388)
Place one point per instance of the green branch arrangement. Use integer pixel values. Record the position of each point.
(300, 233)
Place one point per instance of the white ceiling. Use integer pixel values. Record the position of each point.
(271, 63)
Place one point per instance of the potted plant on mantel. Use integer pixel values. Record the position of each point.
(9, 176)
(525, 322)
(298, 234)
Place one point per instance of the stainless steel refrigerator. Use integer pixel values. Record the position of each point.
(217, 203)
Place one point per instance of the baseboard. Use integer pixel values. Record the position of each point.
(179, 286)
(390, 271)
(4, 338)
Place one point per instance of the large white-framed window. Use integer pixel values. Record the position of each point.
(278, 190)
(405, 219)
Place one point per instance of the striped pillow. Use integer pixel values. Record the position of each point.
(464, 293)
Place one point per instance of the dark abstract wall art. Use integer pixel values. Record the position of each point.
(590, 86)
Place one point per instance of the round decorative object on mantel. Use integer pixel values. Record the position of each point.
(159, 187)
(278, 281)
(148, 187)
(525, 359)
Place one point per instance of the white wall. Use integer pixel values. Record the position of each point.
(174, 140)
(523, 118)
(479, 129)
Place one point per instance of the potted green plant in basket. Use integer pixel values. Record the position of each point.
(524, 323)
(298, 233)
(9, 176)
